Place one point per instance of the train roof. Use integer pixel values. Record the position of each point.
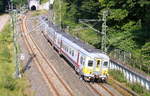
(77, 41)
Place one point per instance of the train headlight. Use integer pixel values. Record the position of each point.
(105, 72)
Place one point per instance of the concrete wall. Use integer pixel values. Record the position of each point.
(131, 75)
(35, 3)
(51, 1)
(44, 6)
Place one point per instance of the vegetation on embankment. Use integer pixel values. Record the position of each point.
(119, 76)
(43, 1)
(9, 85)
(39, 12)
(4, 4)
(128, 26)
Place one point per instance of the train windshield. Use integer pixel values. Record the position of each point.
(90, 63)
(105, 64)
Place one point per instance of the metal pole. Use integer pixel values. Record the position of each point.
(13, 15)
(60, 13)
(104, 26)
(49, 12)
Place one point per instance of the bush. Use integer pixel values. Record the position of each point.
(137, 88)
(146, 94)
(118, 75)
(9, 86)
(9, 83)
(43, 1)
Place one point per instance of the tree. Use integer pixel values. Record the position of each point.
(1, 6)
(128, 22)
(19, 3)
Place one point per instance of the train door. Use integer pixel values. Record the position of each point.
(97, 67)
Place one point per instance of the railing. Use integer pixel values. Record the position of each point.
(127, 59)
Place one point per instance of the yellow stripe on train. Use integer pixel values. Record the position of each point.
(87, 70)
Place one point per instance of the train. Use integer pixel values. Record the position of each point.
(89, 63)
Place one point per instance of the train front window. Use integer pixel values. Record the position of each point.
(90, 63)
(105, 64)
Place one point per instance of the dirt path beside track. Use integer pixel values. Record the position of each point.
(3, 20)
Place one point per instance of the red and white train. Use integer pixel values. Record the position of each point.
(89, 62)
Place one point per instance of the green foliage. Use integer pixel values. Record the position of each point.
(114, 14)
(137, 88)
(9, 86)
(39, 12)
(146, 53)
(128, 25)
(43, 1)
(146, 93)
(19, 3)
(2, 6)
(118, 75)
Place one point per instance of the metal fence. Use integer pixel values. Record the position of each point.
(129, 59)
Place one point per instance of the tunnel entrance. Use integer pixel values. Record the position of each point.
(33, 7)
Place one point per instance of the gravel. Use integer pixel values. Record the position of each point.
(38, 86)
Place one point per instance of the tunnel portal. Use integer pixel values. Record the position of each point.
(33, 7)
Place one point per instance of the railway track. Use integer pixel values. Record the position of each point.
(122, 89)
(90, 86)
(95, 90)
(41, 59)
(101, 90)
(107, 89)
(57, 86)
(111, 93)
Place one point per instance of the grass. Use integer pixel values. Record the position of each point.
(43, 1)
(9, 86)
(39, 12)
(136, 87)
(118, 75)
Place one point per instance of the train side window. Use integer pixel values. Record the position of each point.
(81, 60)
(67, 49)
(72, 52)
(90, 63)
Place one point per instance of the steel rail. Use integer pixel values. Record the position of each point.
(95, 90)
(49, 64)
(123, 87)
(102, 85)
(38, 62)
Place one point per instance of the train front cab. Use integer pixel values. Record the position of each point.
(95, 70)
